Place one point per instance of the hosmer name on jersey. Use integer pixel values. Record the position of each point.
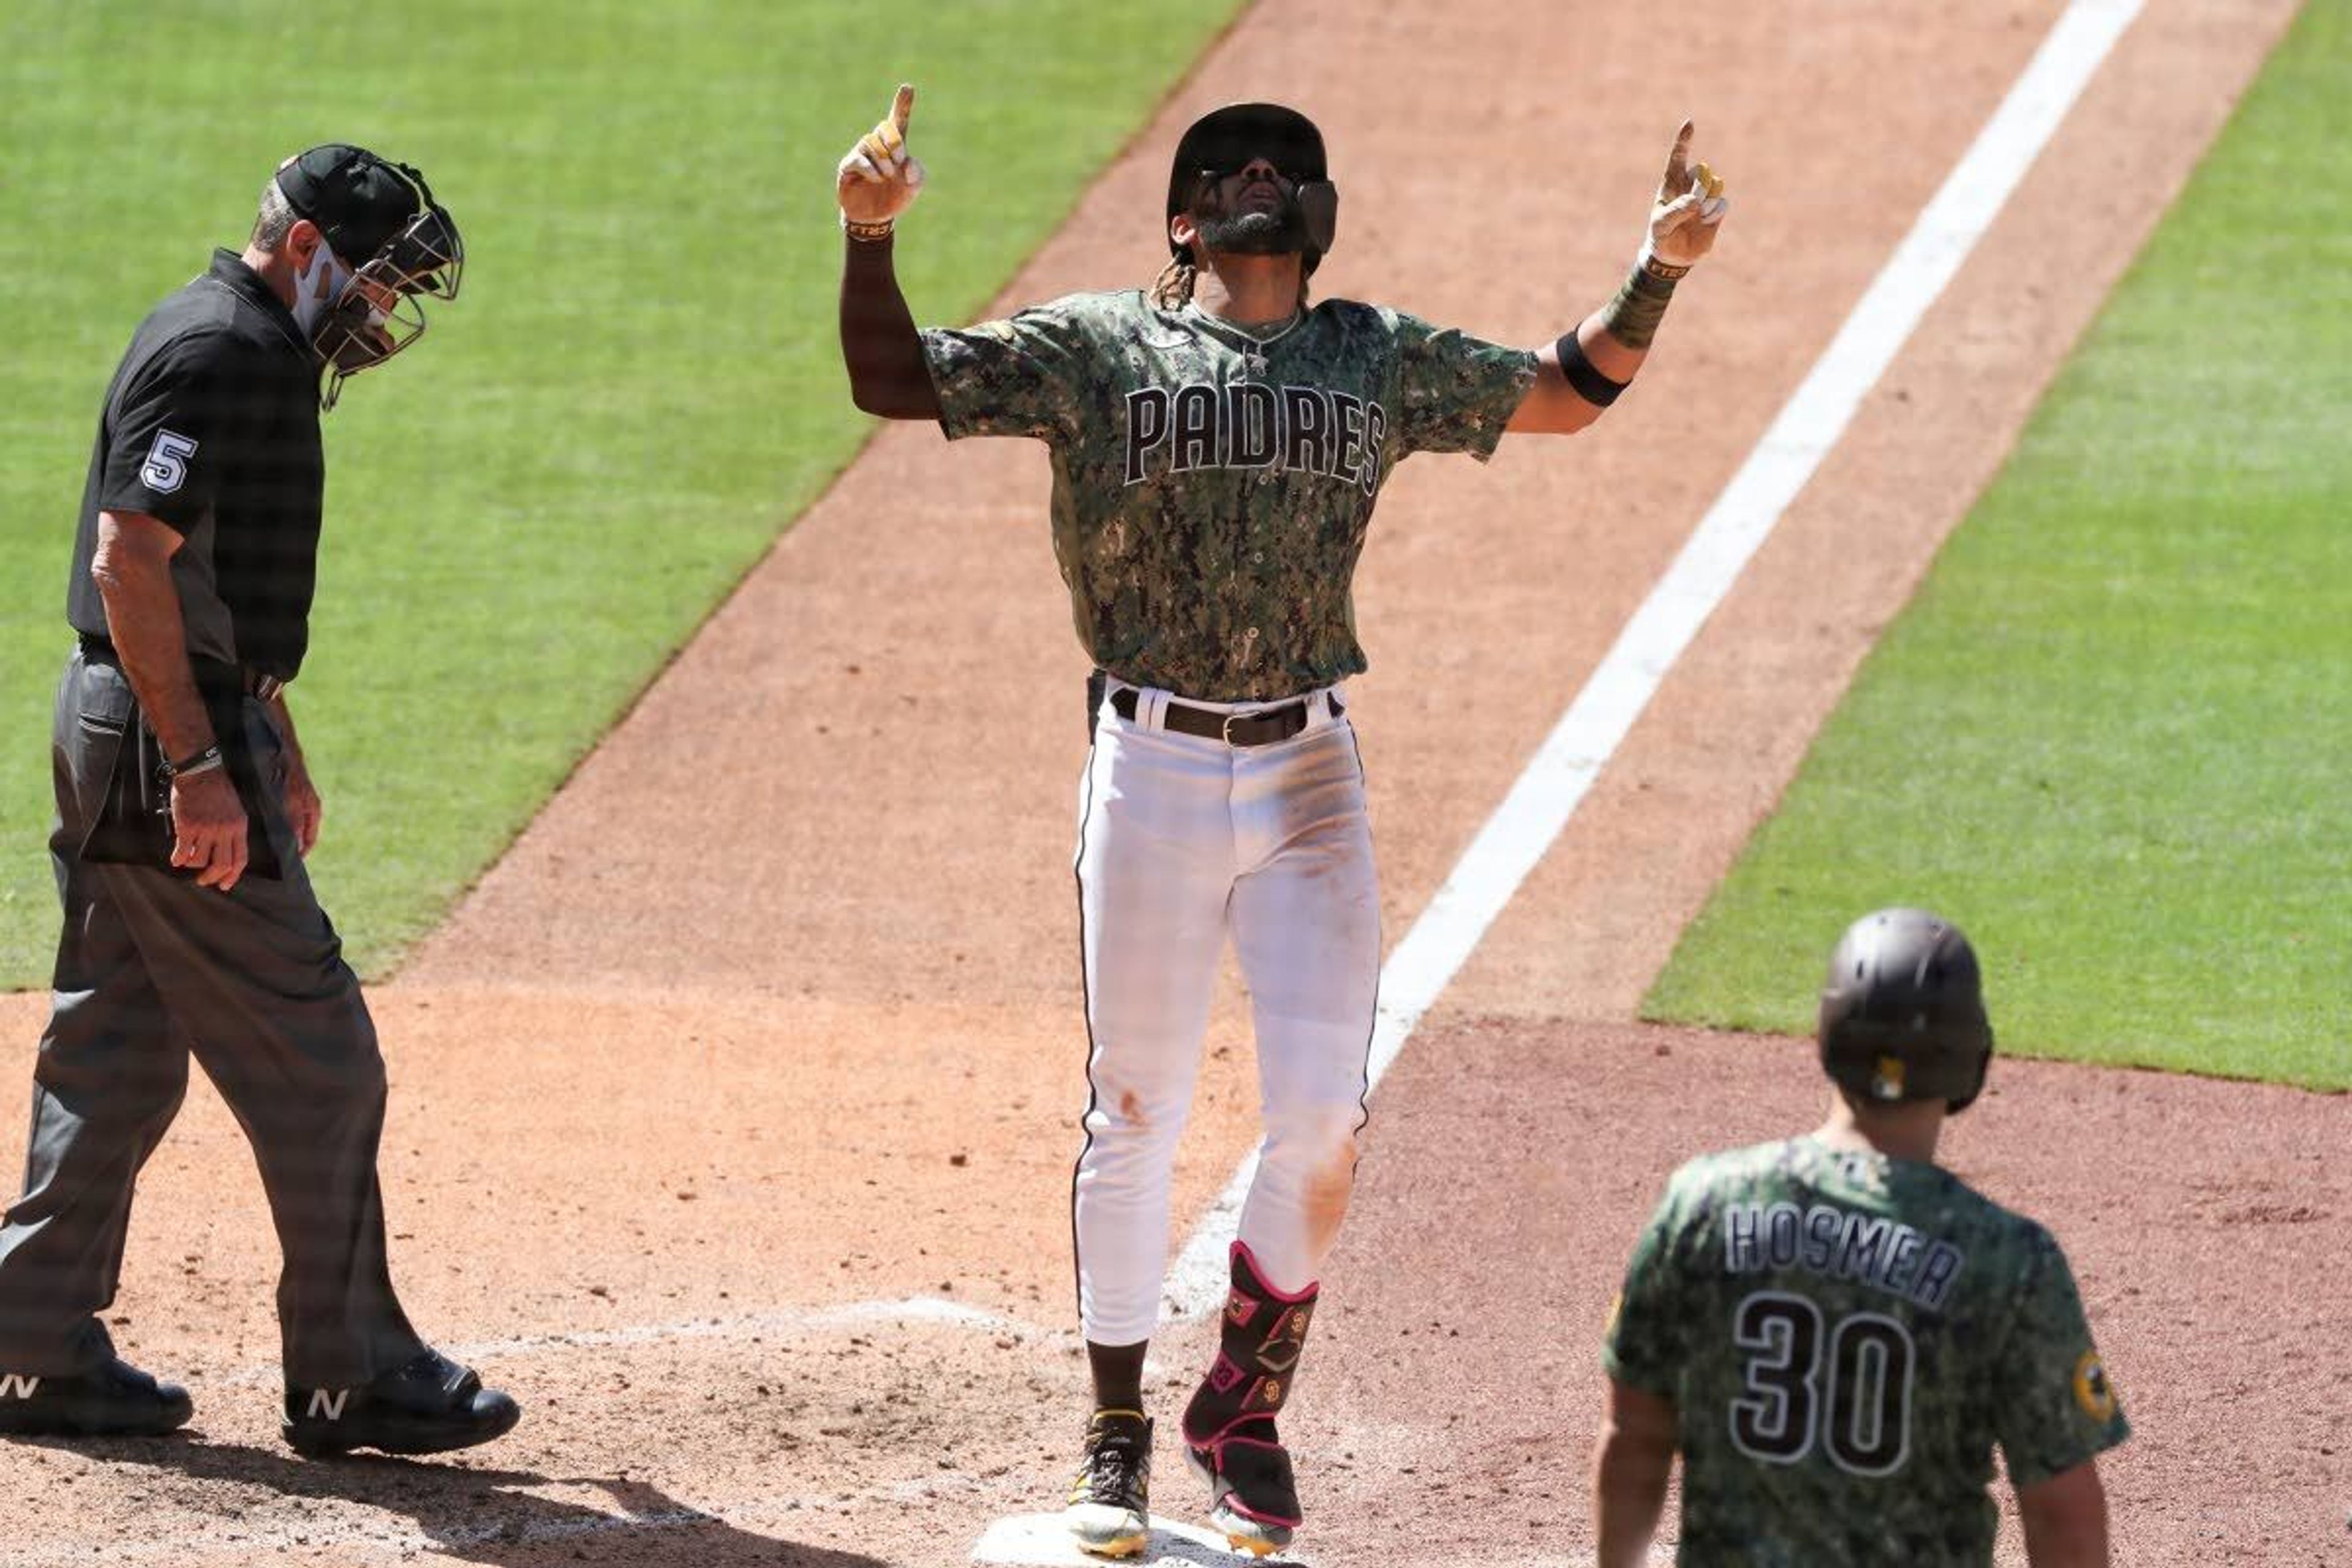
(1250, 425)
(1839, 1244)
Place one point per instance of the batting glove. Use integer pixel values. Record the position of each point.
(878, 178)
(1688, 209)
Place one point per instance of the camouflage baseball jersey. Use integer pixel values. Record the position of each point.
(1845, 1337)
(1212, 488)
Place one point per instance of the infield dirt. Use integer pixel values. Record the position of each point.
(733, 1113)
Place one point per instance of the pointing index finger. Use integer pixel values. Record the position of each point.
(1677, 175)
(902, 108)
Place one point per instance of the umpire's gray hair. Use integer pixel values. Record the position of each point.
(275, 218)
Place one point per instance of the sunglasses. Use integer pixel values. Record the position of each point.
(1205, 180)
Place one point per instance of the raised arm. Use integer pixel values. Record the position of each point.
(1583, 372)
(876, 182)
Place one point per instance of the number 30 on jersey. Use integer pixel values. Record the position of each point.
(1848, 1389)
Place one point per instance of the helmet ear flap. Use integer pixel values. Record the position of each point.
(1984, 1065)
(1319, 212)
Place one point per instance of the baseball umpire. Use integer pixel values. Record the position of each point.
(184, 812)
(1834, 1331)
(1218, 442)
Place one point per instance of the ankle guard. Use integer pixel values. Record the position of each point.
(1258, 1346)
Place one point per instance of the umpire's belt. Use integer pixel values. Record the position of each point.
(100, 650)
(1262, 727)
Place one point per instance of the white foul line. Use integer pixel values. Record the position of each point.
(1522, 829)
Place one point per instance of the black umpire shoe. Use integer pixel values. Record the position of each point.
(429, 1405)
(113, 1400)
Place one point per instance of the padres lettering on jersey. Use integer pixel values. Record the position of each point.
(1250, 425)
(1212, 488)
(1827, 1322)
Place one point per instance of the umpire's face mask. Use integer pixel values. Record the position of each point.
(317, 287)
(380, 309)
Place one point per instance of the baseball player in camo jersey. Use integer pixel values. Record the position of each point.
(1218, 442)
(1834, 1331)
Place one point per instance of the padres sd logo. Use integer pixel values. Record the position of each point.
(2093, 1392)
(1886, 1078)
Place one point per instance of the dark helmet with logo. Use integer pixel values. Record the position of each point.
(1223, 141)
(1902, 1013)
(382, 222)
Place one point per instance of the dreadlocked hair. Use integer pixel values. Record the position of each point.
(1173, 288)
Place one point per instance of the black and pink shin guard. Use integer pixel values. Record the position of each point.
(1258, 1347)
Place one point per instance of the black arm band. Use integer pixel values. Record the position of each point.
(1589, 383)
(203, 762)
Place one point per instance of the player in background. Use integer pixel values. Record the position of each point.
(1834, 1331)
(1219, 441)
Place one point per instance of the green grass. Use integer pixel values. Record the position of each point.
(639, 389)
(2112, 737)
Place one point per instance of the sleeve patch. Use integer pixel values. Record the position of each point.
(2093, 1392)
(166, 468)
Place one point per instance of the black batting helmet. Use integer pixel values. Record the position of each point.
(1902, 1013)
(1223, 141)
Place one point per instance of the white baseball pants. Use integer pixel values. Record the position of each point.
(1182, 840)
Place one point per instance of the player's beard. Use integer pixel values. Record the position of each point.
(1279, 231)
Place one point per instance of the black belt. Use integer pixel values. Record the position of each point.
(1262, 728)
(256, 683)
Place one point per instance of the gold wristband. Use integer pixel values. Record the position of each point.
(867, 232)
(1664, 271)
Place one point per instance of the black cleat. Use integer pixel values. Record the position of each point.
(429, 1405)
(112, 1400)
(1253, 1495)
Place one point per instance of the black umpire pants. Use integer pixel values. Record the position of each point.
(150, 967)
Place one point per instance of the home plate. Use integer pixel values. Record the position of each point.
(1041, 1540)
